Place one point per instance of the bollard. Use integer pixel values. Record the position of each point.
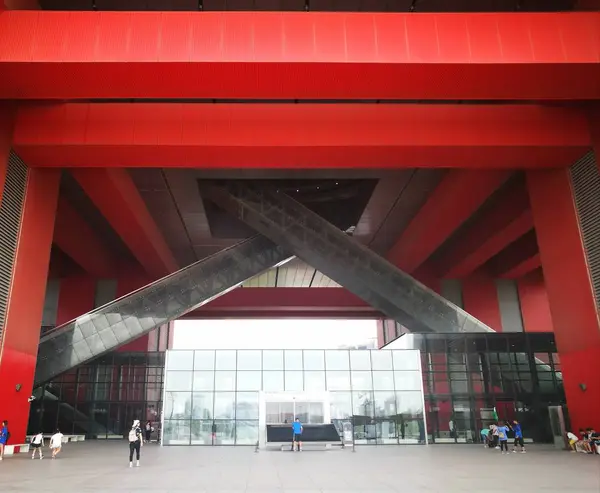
(257, 448)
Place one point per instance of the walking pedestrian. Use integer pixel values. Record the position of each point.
(37, 443)
(503, 437)
(4, 436)
(56, 443)
(516, 427)
(135, 442)
(149, 431)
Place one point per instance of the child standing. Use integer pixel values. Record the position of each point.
(518, 437)
(503, 437)
(36, 444)
(56, 443)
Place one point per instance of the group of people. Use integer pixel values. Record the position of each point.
(588, 441)
(37, 444)
(496, 436)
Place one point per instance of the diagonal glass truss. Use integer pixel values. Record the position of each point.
(326, 248)
(141, 311)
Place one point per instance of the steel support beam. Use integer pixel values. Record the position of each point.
(342, 258)
(129, 317)
(315, 55)
(300, 135)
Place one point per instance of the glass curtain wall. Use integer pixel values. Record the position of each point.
(212, 397)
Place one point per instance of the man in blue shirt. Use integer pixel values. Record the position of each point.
(518, 437)
(297, 427)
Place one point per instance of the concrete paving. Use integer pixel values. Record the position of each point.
(103, 467)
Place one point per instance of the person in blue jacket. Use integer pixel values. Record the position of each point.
(516, 427)
(503, 437)
(4, 436)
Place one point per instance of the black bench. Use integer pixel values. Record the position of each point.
(282, 435)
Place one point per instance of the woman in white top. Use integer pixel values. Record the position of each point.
(36, 444)
(56, 443)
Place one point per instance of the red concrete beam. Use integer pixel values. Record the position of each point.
(80, 242)
(115, 195)
(454, 200)
(300, 136)
(516, 260)
(321, 55)
(508, 219)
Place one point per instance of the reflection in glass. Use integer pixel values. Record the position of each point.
(179, 380)
(202, 432)
(204, 360)
(337, 360)
(246, 405)
(204, 380)
(246, 432)
(293, 360)
(316, 413)
(224, 405)
(406, 360)
(224, 432)
(340, 405)
(382, 360)
(224, 380)
(225, 360)
(272, 359)
(273, 381)
(338, 380)
(385, 404)
(202, 405)
(248, 380)
(181, 360)
(407, 380)
(178, 405)
(386, 432)
(409, 403)
(360, 360)
(294, 381)
(176, 433)
(314, 380)
(383, 380)
(361, 380)
(248, 359)
(362, 404)
(314, 360)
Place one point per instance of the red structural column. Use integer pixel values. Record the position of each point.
(572, 303)
(480, 299)
(6, 132)
(76, 297)
(535, 308)
(21, 332)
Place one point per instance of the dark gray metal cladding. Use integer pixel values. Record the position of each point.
(131, 316)
(326, 248)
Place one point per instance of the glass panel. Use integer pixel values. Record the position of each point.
(224, 432)
(286, 412)
(360, 360)
(202, 432)
(225, 360)
(314, 360)
(406, 360)
(179, 380)
(293, 381)
(293, 360)
(224, 405)
(248, 380)
(361, 380)
(407, 380)
(316, 413)
(341, 405)
(204, 380)
(178, 405)
(381, 360)
(337, 360)
(273, 381)
(383, 380)
(272, 413)
(204, 360)
(177, 433)
(314, 380)
(338, 380)
(247, 405)
(272, 360)
(246, 432)
(181, 360)
(302, 411)
(409, 403)
(224, 380)
(202, 405)
(248, 360)
(362, 404)
(385, 404)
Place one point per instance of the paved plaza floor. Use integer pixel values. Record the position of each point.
(103, 467)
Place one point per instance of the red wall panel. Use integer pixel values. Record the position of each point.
(535, 307)
(6, 133)
(76, 297)
(480, 299)
(26, 300)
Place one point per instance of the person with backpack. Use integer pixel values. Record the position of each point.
(135, 442)
(4, 436)
(503, 437)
